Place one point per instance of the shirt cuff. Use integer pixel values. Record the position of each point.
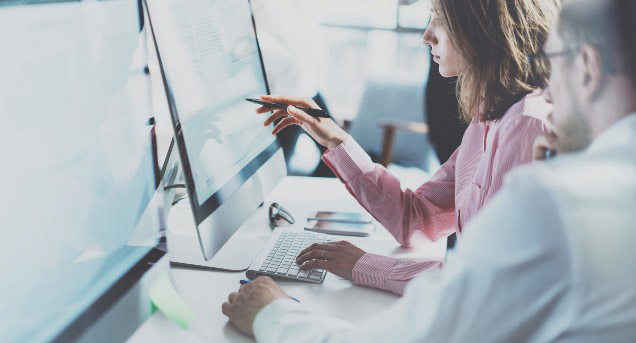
(372, 270)
(265, 319)
(348, 160)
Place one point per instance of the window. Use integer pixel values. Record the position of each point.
(369, 39)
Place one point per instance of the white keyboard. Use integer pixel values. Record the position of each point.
(278, 257)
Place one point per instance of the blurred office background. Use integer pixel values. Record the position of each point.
(365, 61)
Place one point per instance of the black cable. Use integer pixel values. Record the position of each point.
(177, 185)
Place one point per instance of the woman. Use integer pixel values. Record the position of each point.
(486, 44)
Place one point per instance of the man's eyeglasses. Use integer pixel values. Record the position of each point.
(540, 62)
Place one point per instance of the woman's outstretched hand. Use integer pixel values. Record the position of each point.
(325, 131)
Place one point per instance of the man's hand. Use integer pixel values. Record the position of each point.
(337, 257)
(243, 306)
(544, 146)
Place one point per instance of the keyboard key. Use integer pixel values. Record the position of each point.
(303, 274)
(281, 259)
(292, 272)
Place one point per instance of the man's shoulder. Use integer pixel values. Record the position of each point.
(575, 175)
(550, 174)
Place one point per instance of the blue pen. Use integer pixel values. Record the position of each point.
(550, 153)
(245, 282)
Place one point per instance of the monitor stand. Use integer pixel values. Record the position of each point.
(236, 255)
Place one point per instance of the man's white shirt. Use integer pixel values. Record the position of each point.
(551, 258)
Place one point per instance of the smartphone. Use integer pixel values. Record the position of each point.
(341, 217)
(345, 229)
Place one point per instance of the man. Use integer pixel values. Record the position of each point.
(560, 235)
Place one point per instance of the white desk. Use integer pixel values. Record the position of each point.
(205, 291)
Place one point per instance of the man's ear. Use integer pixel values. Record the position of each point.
(593, 79)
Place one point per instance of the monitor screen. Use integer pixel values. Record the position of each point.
(211, 62)
(78, 164)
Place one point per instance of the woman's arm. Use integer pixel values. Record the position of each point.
(352, 263)
(389, 273)
(430, 208)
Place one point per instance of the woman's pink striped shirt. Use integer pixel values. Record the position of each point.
(451, 198)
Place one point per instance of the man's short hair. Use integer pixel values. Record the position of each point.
(608, 25)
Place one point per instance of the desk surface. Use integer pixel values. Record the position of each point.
(205, 291)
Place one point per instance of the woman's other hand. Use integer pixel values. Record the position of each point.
(336, 257)
(325, 131)
(545, 147)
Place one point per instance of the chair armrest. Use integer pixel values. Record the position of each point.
(345, 125)
(390, 126)
(405, 125)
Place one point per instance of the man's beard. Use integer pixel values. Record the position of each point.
(575, 132)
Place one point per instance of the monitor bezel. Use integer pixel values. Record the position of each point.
(202, 211)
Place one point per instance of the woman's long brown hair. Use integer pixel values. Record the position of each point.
(495, 39)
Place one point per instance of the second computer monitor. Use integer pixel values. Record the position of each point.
(79, 220)
(211, 62)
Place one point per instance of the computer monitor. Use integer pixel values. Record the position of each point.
(79, 171)
(211, 61)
